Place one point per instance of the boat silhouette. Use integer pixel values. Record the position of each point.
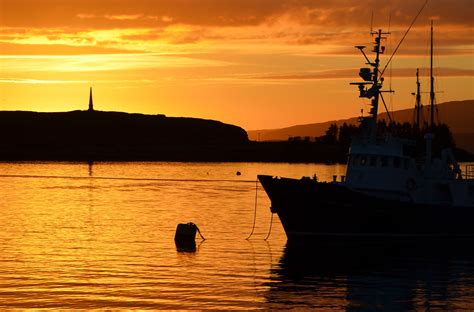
(390, 190)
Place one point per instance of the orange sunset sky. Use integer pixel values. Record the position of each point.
(254, 63)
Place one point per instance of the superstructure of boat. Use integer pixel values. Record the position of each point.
(387, 191)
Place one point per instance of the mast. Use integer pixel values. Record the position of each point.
(375, 100)
(371, 86)
(432, 93)
(418, 100)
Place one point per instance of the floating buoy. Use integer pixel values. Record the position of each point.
(185, 236)
(185, 232)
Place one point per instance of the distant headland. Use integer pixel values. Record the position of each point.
(453, 113)
(97, 135)
(92, 135)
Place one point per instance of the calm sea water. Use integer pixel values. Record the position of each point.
(75, 235)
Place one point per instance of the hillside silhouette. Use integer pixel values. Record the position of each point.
(97, 135)
(454, 114)
(116, 136)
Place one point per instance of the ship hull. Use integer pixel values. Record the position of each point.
(329, 211)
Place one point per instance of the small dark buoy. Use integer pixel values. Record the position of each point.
(238, 173)
(185, 236)
(185, 232)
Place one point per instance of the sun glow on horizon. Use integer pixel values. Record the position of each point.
(257, 64)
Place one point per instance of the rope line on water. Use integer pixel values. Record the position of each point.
(255, 209)
(270, 229)
(124, 178)
(155, 179)
(200, 233)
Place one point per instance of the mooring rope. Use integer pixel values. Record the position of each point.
(199, 232)
(270, 229)
(255, 209)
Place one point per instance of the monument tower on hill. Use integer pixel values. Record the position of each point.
(91, 102)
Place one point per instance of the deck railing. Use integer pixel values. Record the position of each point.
(468, 172)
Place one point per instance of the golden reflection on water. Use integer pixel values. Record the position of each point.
(69, 239)
(95, 243)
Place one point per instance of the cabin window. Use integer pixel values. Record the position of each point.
(363, 160)
(384, 161)
(396, 162)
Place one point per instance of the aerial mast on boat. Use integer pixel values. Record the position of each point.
(432, 93)
(418, 106)
(371, 86)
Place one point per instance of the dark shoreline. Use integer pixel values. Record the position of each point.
(269, 152)
(117, 136)
(85, 136)
(278, 152)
